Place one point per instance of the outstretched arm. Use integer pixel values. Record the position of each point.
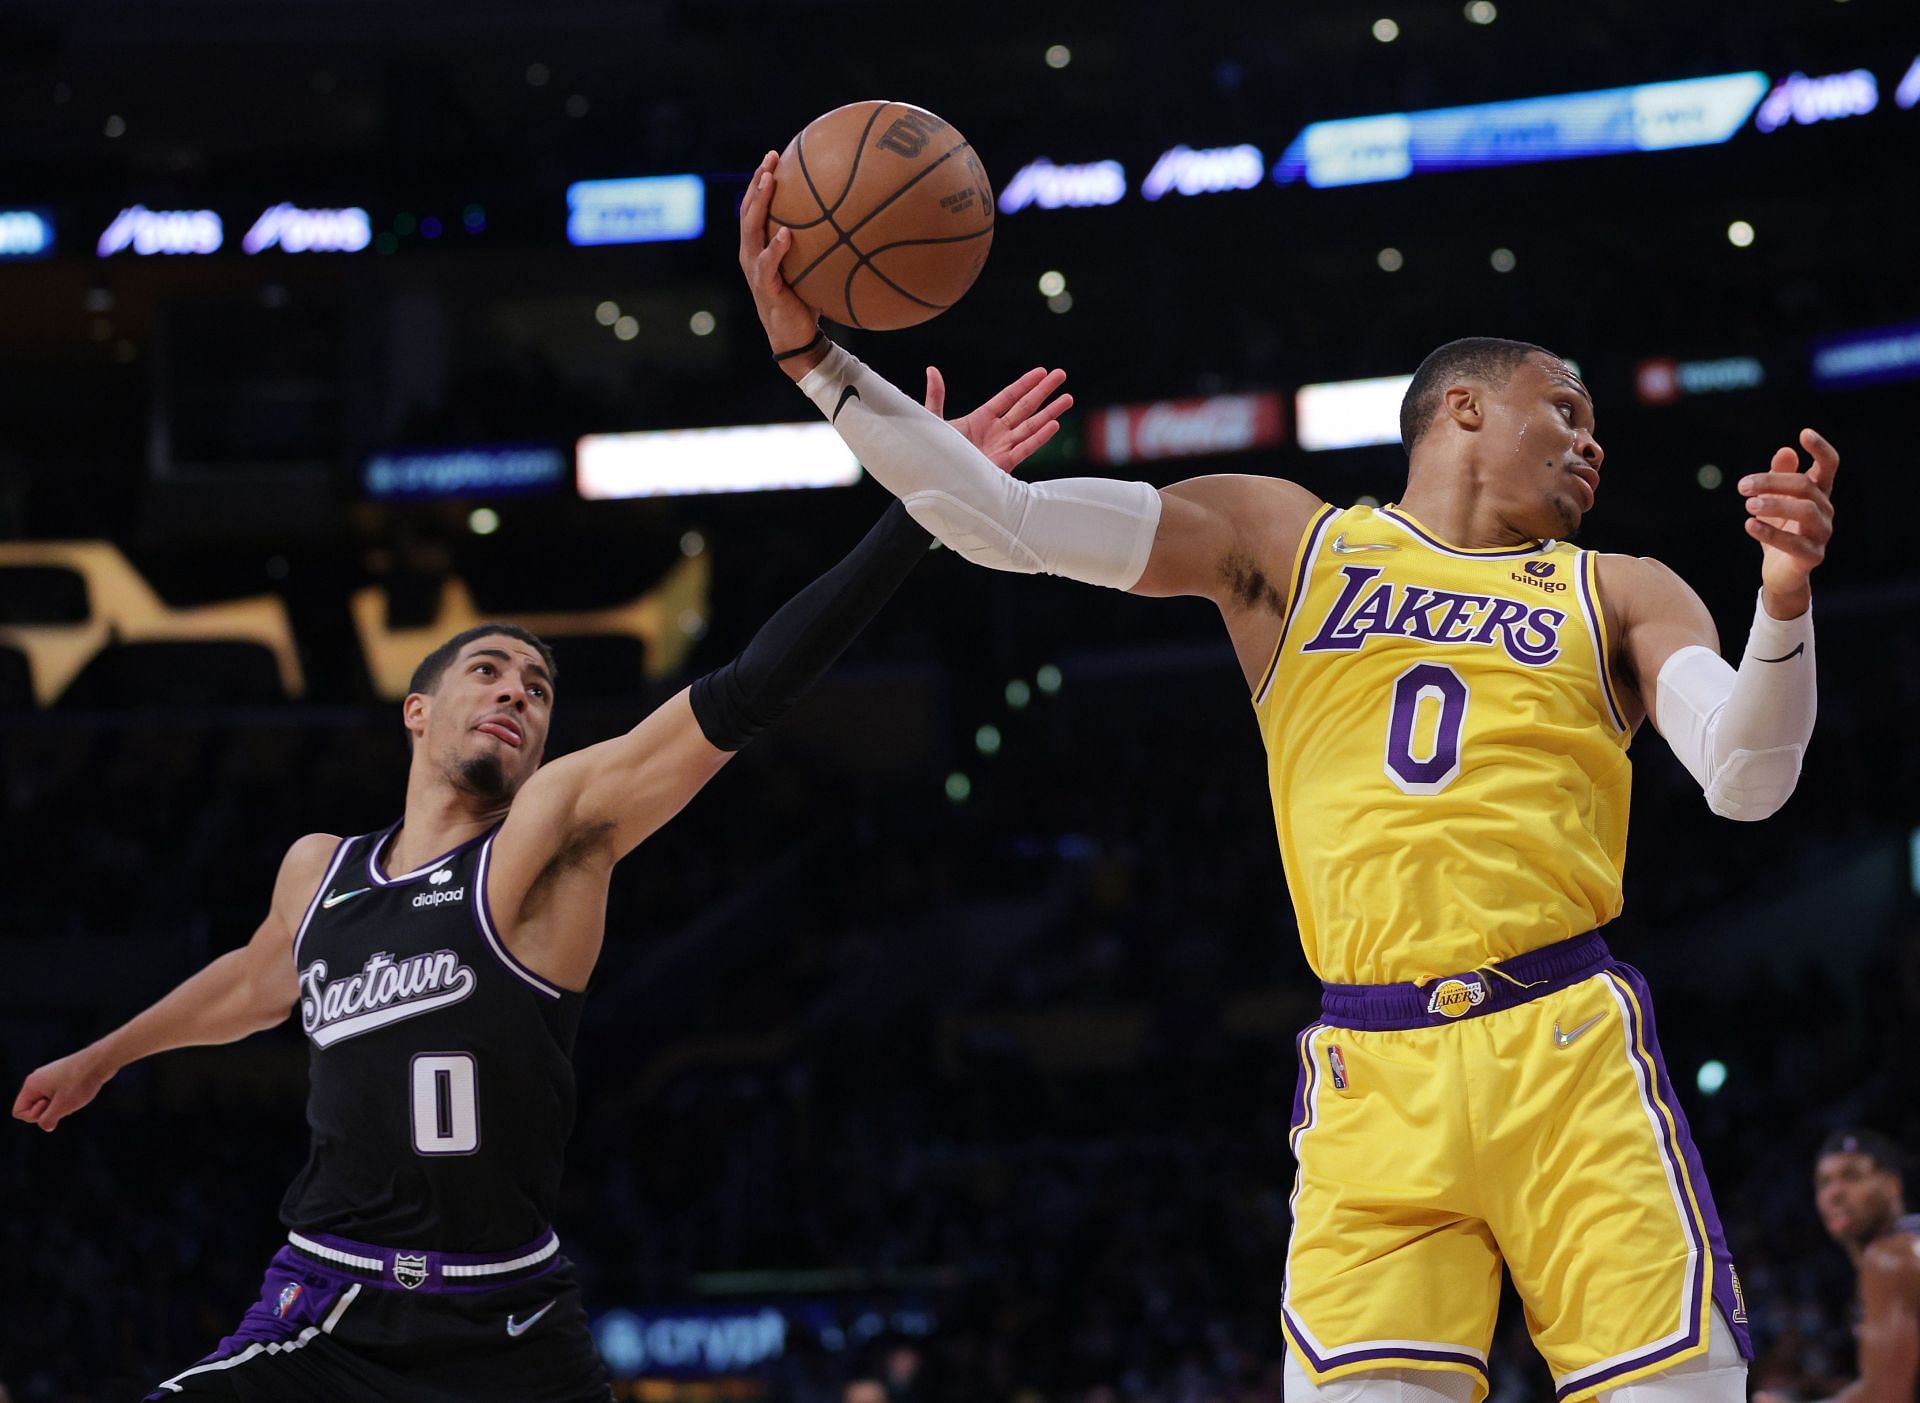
(593, 807)
(1126, 535)
(240, 993)
(1742, 733)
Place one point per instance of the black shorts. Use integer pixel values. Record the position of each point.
(320, 1335)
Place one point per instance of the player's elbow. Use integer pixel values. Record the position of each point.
(1752, 784)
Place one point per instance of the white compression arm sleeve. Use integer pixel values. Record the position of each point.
(1095, 529)
(1742, 734)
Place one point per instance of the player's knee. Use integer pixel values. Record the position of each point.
(1718, 1376)
(1380, 1386)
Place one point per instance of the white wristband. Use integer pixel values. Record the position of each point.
(1100, 530)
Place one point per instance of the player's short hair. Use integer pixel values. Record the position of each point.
(1885, 1154)
(426, 677)
(1488, 358)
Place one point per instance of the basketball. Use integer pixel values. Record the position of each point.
(891, 212)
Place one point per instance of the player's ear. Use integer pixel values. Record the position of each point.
(414, 712)
(1463, 405)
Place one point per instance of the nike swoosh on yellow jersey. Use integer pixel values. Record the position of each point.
(1340, 546)
(1561, 1039)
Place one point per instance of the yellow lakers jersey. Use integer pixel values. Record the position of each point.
(1445, 749)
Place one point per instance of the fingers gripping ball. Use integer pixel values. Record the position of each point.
(891, 212)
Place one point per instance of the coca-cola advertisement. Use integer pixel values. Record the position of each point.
(1186, 428)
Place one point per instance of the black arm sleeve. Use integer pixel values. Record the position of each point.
(794, 648)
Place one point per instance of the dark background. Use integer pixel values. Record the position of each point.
(1001, 1082)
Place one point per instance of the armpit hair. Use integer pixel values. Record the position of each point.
(1249, 584)
(573, 852)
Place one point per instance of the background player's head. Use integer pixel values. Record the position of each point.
(478, 708)
(1513, 424)
(1857, 1186)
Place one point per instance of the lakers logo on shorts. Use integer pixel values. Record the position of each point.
(1453, 997)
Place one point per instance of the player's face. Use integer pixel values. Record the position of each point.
(489, 718)
(1542, 448)
(1857, 1199)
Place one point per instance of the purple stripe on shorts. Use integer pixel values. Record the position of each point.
(1676, 1142)
(1341, 1358)
(1522, 979)
(1303, 1087)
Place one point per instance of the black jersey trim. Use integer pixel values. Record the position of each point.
(326, 880)
(380, 879)
(483, 917)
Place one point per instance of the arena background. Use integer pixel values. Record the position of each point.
(945, 1039)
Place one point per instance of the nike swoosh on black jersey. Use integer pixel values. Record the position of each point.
(851, 392)
(1798, 649)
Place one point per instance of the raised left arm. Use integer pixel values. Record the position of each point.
(1741, 733)
(607, 798)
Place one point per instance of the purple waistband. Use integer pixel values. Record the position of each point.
(399, 1268)
(1472, 994)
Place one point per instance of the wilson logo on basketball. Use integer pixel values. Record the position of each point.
(910, 133)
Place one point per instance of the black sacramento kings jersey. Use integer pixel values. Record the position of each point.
(442, 1080)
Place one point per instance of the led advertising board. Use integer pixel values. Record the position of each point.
(495, 470)
(1046, 186)
(689, 462)
(147, 232)
(1350, 413)
(645, 210)
(1648, 117)
(1185, 428)
(1867, 357)
(25, 233)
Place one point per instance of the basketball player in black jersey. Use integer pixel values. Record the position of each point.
(438, 968)
(1858, 1190)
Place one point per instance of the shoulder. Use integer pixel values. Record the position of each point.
(1636, 588)
(1894, 1260)
(310, 855)
(1273, 501)
(1229, 537)
(301, 871)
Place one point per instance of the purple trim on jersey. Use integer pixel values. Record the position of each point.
(1312, 548)
(1378, 1008)
(339, 856)
(483, 916)
(382, 880)
(1590, 603)
(436, 1282)
(1341, 1358)
(1407, 523)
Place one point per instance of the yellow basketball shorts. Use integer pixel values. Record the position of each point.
(1524, 1116)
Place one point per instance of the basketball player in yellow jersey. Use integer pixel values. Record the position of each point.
(1447, 690)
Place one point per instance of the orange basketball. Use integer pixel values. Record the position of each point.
(891, 212)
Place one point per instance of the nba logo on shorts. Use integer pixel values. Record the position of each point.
(1453, 997)
(410, 1271)
(288, 1295)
